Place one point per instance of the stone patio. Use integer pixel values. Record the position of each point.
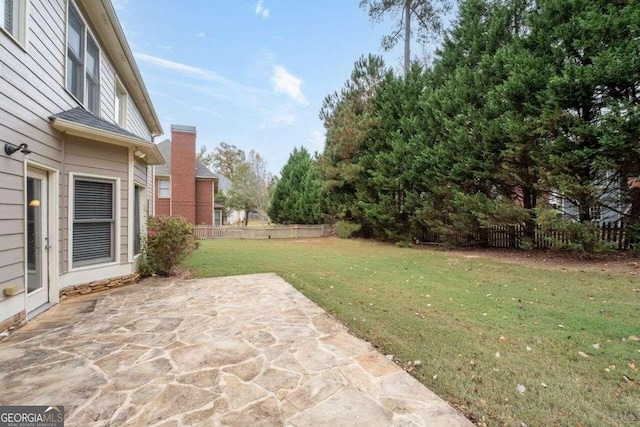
(243, 350)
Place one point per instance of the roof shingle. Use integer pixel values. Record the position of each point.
(81, 116)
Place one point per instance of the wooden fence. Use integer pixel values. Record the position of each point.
(513, 236)
(266, 232)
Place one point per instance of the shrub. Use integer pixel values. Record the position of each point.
(633, 236)
(345, 229)
(580, 237)
(168, 242)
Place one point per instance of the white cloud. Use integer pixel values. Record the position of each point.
(283, 115)
(163, 47)
(277, 119)
(182, 68)
(206, 82)
(315, 140)
(261, 10)
(286, 83)
(201, 34)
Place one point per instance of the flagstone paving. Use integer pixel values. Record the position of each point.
(243, 350)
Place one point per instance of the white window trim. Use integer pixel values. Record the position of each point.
(71, 197)
(23, 18)
(122, 120)
(84, 64)
(160, 178)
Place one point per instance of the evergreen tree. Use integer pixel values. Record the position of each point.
(296, 197)
(591, 109)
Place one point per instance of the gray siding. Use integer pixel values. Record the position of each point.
(135, 123)
(140, 173)
(107, 89)
(11, 225)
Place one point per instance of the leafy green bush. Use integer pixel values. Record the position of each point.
(168, 242)
(581, 237)
(633, 236)
(345, 229)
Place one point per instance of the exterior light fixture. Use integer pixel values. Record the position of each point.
(139, 154)
(10, 148)
(35, 203)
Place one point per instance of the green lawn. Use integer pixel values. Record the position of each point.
(480, 327)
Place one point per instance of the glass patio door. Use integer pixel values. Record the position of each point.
(37, 239)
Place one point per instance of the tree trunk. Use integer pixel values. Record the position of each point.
(633, 221)
(529, 201)
(407, 36)
(584, 215)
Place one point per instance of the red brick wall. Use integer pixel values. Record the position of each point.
(162, 206)
(204, 202)
(183, 174)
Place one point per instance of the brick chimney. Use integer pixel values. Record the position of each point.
(183, 172)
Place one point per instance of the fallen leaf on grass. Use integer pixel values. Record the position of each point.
(561, 326)
(497, 354)
(633, 367)
(583, 354)
(596, 346)
(521, 389)
(629, 380)
(543, 385)
(634, 338)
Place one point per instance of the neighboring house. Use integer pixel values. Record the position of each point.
(609, 209)
(76, 131)
(184, 186)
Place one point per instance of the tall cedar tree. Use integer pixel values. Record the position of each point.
(591, 111)
(296, 197)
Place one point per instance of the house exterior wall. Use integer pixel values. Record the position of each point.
(204, 201)
(32, 88)
(183, 172)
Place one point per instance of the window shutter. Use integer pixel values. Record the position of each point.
(8, 15)
(93, 221)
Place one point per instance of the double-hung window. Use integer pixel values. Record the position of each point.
(83, 62)
(94, 221)
(13, 18)
(164, 188)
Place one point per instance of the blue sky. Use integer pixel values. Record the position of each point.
(252, 73)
